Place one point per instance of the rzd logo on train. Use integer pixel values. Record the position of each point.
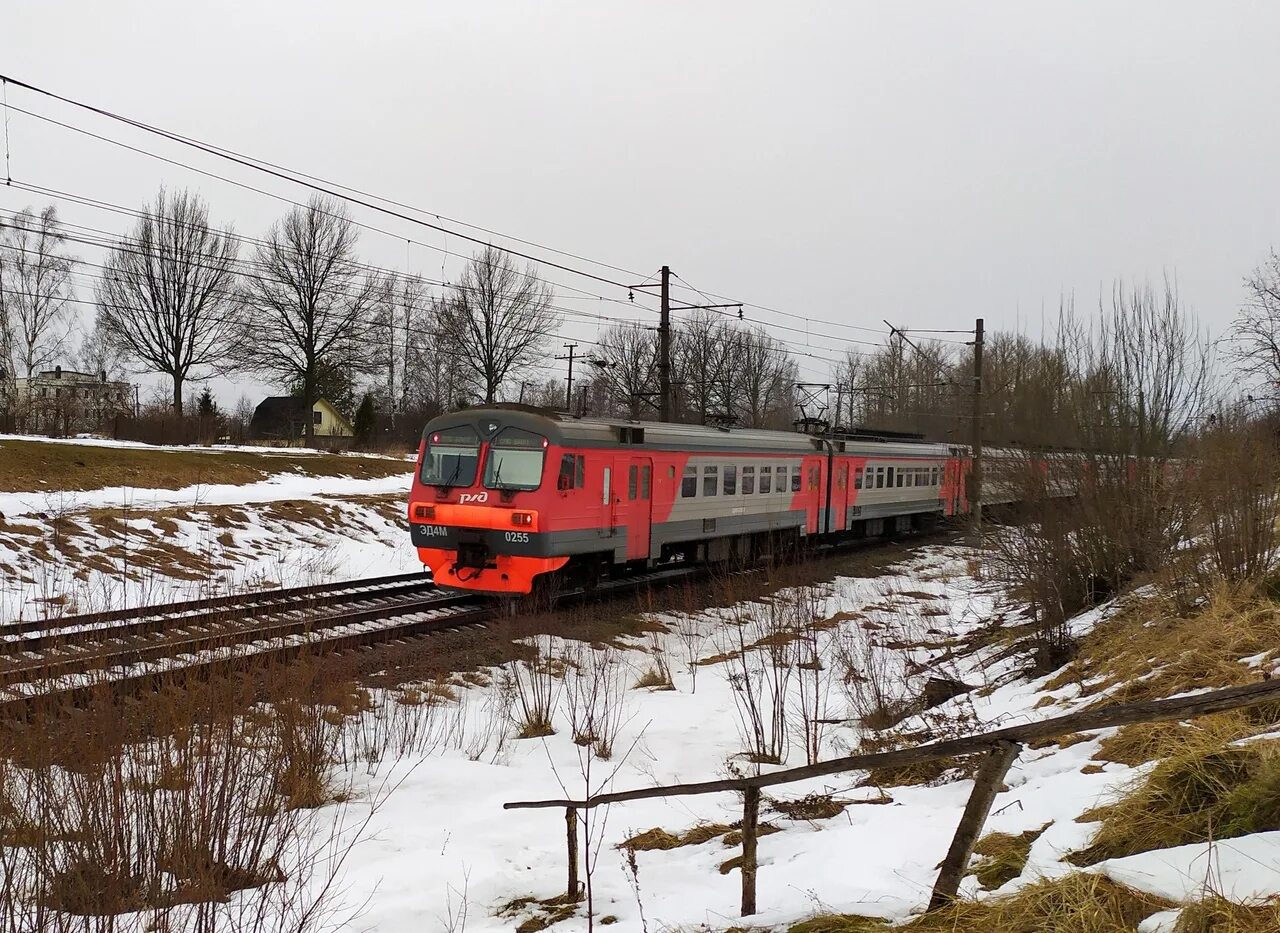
(473, 497)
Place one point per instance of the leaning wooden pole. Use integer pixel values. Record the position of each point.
(750, 822)
(986, 785)
(571, 831)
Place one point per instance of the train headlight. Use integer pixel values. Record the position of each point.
(522, 519)
(424, 512)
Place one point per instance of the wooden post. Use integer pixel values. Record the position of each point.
(750, 820)
(986, 785)
(571, 830)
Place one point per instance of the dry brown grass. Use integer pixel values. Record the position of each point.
(658, 839)
(1149, 651)
(1076, 903)
(35, 466)
(811, 807)
(1205, 788)
(1218, 915)
(1003, 856)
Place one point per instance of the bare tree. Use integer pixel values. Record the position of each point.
(703, 353)
(35, 290)
(1254, 339)
(631, 357)
(311, 304)
(499, 319)
(761, 377)
(848, 378)
(98, 354)
(402, 319)
(166, 294)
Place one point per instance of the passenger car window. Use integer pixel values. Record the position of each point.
(710, 480)
(730, 480)
(796, 479)
(748, 480)
(766, 479)
(689, 483)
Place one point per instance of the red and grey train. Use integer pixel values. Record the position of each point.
(504, 496)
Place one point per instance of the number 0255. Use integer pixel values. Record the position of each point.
(518, 537)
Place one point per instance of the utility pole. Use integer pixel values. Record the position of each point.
(664, 347)
(665, 395)
(568, 389)
(975, 472)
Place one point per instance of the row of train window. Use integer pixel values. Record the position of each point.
(731, 480)
(882, 477)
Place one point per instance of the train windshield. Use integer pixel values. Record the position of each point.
(515, 460)
(452, 456)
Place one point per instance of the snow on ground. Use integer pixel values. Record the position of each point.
(442, 835)
(102, 549)
(134, 499)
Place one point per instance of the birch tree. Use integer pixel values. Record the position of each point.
(166, 298)
(35, 290)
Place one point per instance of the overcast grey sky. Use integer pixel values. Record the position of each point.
(846, 162)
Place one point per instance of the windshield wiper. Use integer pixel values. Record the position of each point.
(457, 467)
(497, 475)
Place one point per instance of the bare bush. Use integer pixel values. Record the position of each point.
(757, 645)
(153, 816)
(813, 651)
(692, 636)
(534, 688)
(1237, 476)
(595, 696)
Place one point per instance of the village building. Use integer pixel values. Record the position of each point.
(284, 418)
(64, 401)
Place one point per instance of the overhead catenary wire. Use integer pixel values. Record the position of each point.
(334, 189)
(111, 240)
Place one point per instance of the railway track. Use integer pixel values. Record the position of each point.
(43, 659)
(128, 649)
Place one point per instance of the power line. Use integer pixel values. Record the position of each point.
(328, 188)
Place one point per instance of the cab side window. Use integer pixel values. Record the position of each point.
(573, 472)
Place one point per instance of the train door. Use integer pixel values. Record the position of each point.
(839, 495)
(635, 499)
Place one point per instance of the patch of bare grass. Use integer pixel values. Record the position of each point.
(1003, 856)
(35, 466)
(1219, 915)
(1207, 789)
(1075, 903)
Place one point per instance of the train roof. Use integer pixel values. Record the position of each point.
(566, 430)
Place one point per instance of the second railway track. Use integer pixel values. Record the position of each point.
(77, 654)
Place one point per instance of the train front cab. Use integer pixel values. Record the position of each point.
(476, 515)
(499, 502)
